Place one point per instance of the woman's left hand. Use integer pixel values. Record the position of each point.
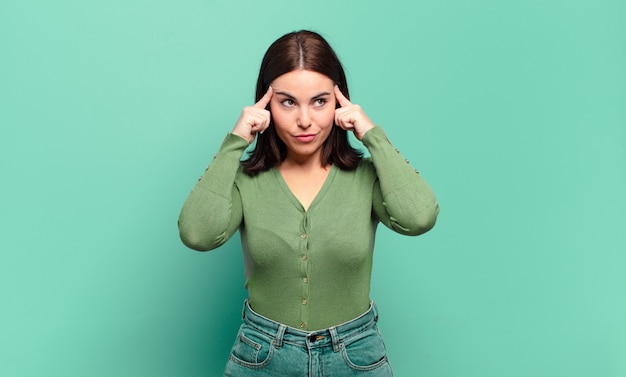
(351, 117)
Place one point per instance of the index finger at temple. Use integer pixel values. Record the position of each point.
(343, 101)
(265, 99)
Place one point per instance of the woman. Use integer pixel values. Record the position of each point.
(307, 205)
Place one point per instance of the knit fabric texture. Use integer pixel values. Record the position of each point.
(308, 269)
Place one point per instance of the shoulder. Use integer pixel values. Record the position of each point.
(243, 178)
(366, 164)
(364, 171)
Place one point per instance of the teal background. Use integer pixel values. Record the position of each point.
(515, 112)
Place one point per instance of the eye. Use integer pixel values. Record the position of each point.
(320, 102)
(287, 102)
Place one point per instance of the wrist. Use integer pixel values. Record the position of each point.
(247, 138)
(362, 133)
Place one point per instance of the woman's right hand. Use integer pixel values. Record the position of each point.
(254, 119)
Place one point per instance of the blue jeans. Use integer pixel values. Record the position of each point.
(267, 348)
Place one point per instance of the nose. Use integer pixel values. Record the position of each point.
(304, 118)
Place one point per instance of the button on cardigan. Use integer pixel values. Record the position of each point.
(307, 269)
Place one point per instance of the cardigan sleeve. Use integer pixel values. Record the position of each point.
(402, 200)
(212, 212)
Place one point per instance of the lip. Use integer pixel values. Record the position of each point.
(305, 138)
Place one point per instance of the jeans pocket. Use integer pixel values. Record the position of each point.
(252, 349)
(365, 351)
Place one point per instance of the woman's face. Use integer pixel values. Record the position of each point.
(303, 109)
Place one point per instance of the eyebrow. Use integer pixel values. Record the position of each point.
(322, 94)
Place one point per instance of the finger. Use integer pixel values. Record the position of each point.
(259, 122)
(266, 121)
(343, 101)
(345, 117)
(265, 99)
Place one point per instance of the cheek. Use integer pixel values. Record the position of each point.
(278, 115)
(327, 116)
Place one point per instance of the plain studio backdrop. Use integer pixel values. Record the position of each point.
(514, 111)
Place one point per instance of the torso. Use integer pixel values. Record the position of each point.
(311, 241)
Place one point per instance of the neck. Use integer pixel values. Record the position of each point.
(306, 163)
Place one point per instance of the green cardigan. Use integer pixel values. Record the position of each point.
(307, 269)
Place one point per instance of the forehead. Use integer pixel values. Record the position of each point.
(303, 82)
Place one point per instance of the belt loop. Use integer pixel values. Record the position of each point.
(279, 336)
(375, 311)
(243, 309)
(335, 338)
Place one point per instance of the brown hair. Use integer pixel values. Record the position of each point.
(300, 50)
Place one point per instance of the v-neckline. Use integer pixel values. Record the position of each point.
(292, 197)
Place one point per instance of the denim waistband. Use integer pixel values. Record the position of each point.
(334, 335)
